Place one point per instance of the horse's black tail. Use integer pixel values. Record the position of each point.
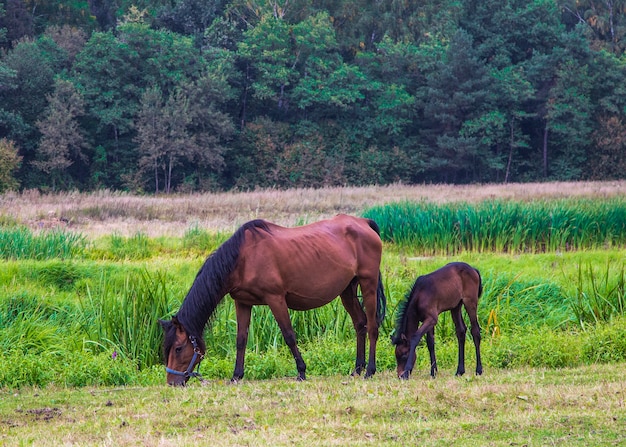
(381, 299)
(480, 283)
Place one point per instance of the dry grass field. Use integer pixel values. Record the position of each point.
(106, 212)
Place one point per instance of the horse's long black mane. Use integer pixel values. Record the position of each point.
(207, 290)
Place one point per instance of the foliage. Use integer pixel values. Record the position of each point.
(174, 95)
(9, 163)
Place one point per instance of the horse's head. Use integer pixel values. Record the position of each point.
(402, 352)
(182, 352)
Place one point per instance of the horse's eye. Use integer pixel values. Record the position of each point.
(179, 349)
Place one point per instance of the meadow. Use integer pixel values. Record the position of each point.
(80, 295)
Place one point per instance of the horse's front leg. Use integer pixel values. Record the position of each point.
(244, 313)
(430, 342)
(428, 325)
(278, 306)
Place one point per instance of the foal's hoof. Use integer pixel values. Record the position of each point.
(405, 375)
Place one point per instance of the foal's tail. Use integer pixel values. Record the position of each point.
(381, 299)
(480, 283)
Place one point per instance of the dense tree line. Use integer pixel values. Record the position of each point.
(166, 95)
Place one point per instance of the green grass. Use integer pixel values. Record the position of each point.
(79, 317)
(17, 242)
(102, 305)
(54, 314)
(563, 407)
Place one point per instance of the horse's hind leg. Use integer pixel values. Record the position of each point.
(369, 287)
(353, 307)
(278, 306)
(243, 312)
(430, 342)
(461, 330)
(475, 330)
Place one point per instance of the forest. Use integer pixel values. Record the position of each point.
(163, 96)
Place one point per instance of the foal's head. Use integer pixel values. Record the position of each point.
(402, 352)
(182, 352)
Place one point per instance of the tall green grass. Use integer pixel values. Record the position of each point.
(600, 294)
(124, 321)
(21, 243)
(504, 226)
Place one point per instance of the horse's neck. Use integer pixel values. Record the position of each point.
(199, 305)
(412, 318)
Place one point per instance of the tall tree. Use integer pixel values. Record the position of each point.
(604, 21)
(459, 92)
(62, 141)
(10, 162)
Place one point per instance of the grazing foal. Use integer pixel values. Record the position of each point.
(451, 287)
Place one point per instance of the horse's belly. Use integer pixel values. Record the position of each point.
(297, 302)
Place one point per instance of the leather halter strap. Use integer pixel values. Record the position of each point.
(189, 372)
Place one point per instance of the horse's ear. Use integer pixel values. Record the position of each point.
(176, 323)
(165, 324)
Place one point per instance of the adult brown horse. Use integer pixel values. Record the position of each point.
(298, 268)
(452, 287)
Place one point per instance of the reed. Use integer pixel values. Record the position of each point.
(504, 226)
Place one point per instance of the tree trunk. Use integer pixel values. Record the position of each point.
(545, 151)
(156, 176)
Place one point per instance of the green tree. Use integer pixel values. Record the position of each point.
(604, 22)
(114, 70)
(459, 97)
(62, 141)
(9, 164)
(568, 123)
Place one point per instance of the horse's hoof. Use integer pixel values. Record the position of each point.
(404, 376)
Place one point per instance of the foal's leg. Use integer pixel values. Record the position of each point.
(475, 330)
(461, 330)
(353, 307)
(430, 342)
(428, 325)
(243, 312)
(278, 306)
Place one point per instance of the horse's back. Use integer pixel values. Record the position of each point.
(312, 263)
(446, 286)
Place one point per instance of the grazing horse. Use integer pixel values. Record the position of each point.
(449, 288)
(298, 268)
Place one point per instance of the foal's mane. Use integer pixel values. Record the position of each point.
(402, 316)
(208, 289)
